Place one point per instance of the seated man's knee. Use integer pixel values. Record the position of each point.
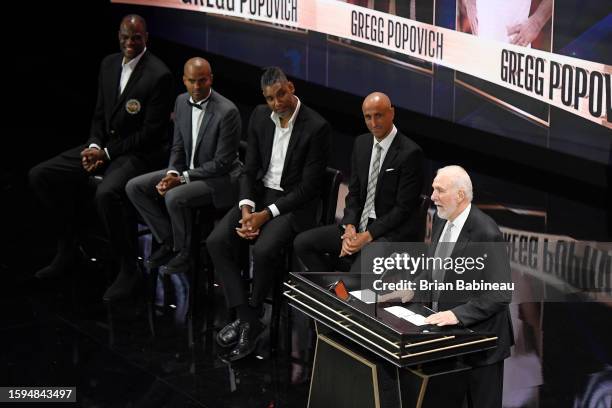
(303, 242)
(133, 188)
(105, 195)
(173, 199)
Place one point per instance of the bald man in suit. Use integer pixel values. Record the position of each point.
(203, 168)
(383, 198)
(128, 137)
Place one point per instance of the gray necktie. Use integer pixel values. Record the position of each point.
(442, 251)
(369, 204)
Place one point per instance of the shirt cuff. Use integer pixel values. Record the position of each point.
(274, 209)
(186, 175)
(173, 172)
(94, 145)
(246, 202)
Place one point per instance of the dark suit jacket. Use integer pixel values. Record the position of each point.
(216, 154)
(398, 188)
(307, 157)
(136, 121)
(483, 312)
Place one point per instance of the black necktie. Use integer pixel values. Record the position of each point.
(195, 105)
(199, 105)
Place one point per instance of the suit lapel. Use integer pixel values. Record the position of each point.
(389, 159)
(186, 125)
(296, 132)
(465, 236)
(365, 157)
(210, 112)
(437, 228)
(268, 143)
(136, 74)
(116, 74)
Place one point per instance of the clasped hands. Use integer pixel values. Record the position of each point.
(92, 158)
(169, 181)
(251, 222)
(353, 241)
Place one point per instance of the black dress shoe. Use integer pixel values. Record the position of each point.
(178, 264)
(123, 285)
(250, 335)
(228, 336)
(160, 257)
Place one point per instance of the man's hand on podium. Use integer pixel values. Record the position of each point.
(446, 318)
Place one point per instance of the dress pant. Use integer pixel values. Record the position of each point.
(485, 386)
(170, 217)
(225, 246)
(61, 182)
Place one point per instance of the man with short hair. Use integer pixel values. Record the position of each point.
(203, 169)
(383, 197)
(128, 137)
(288, 150)
(457, 223)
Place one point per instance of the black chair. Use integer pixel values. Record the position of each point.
(420, 223)
(203, 224)
(326, 215)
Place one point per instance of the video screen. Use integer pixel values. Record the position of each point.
(532, 71)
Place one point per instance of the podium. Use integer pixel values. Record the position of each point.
(366, 356)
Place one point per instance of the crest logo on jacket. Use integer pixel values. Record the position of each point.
(132, 106)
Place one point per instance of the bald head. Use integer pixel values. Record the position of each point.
(197, 77)
(377, 99)
(378, 114)
(452, 191)
(197, 64)
(134, 19)
(133, 36)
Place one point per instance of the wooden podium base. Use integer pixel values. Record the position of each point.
(345, 375)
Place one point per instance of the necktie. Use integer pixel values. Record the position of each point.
(199, 105)
(443, 250)
(372, 180)
(195, 105)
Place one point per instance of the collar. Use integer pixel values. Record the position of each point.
(461, 218)
(276, 119)
(386, 142)
(203, 101)
(134, 61)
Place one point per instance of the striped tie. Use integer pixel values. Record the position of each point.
(369, 204)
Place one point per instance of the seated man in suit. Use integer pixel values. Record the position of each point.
(458, 223)
(288, 151)
(203, 167)
(128, 137)
(384, 190)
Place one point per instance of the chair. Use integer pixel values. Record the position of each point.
(326, 215)
(421, 218)
(202, 227)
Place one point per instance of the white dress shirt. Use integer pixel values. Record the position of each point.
(196, 122)
(272, 178)
(126, 72)
(127, 68)
(384, 145)
(457, 224)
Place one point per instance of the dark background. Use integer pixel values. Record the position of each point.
(51, 57)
